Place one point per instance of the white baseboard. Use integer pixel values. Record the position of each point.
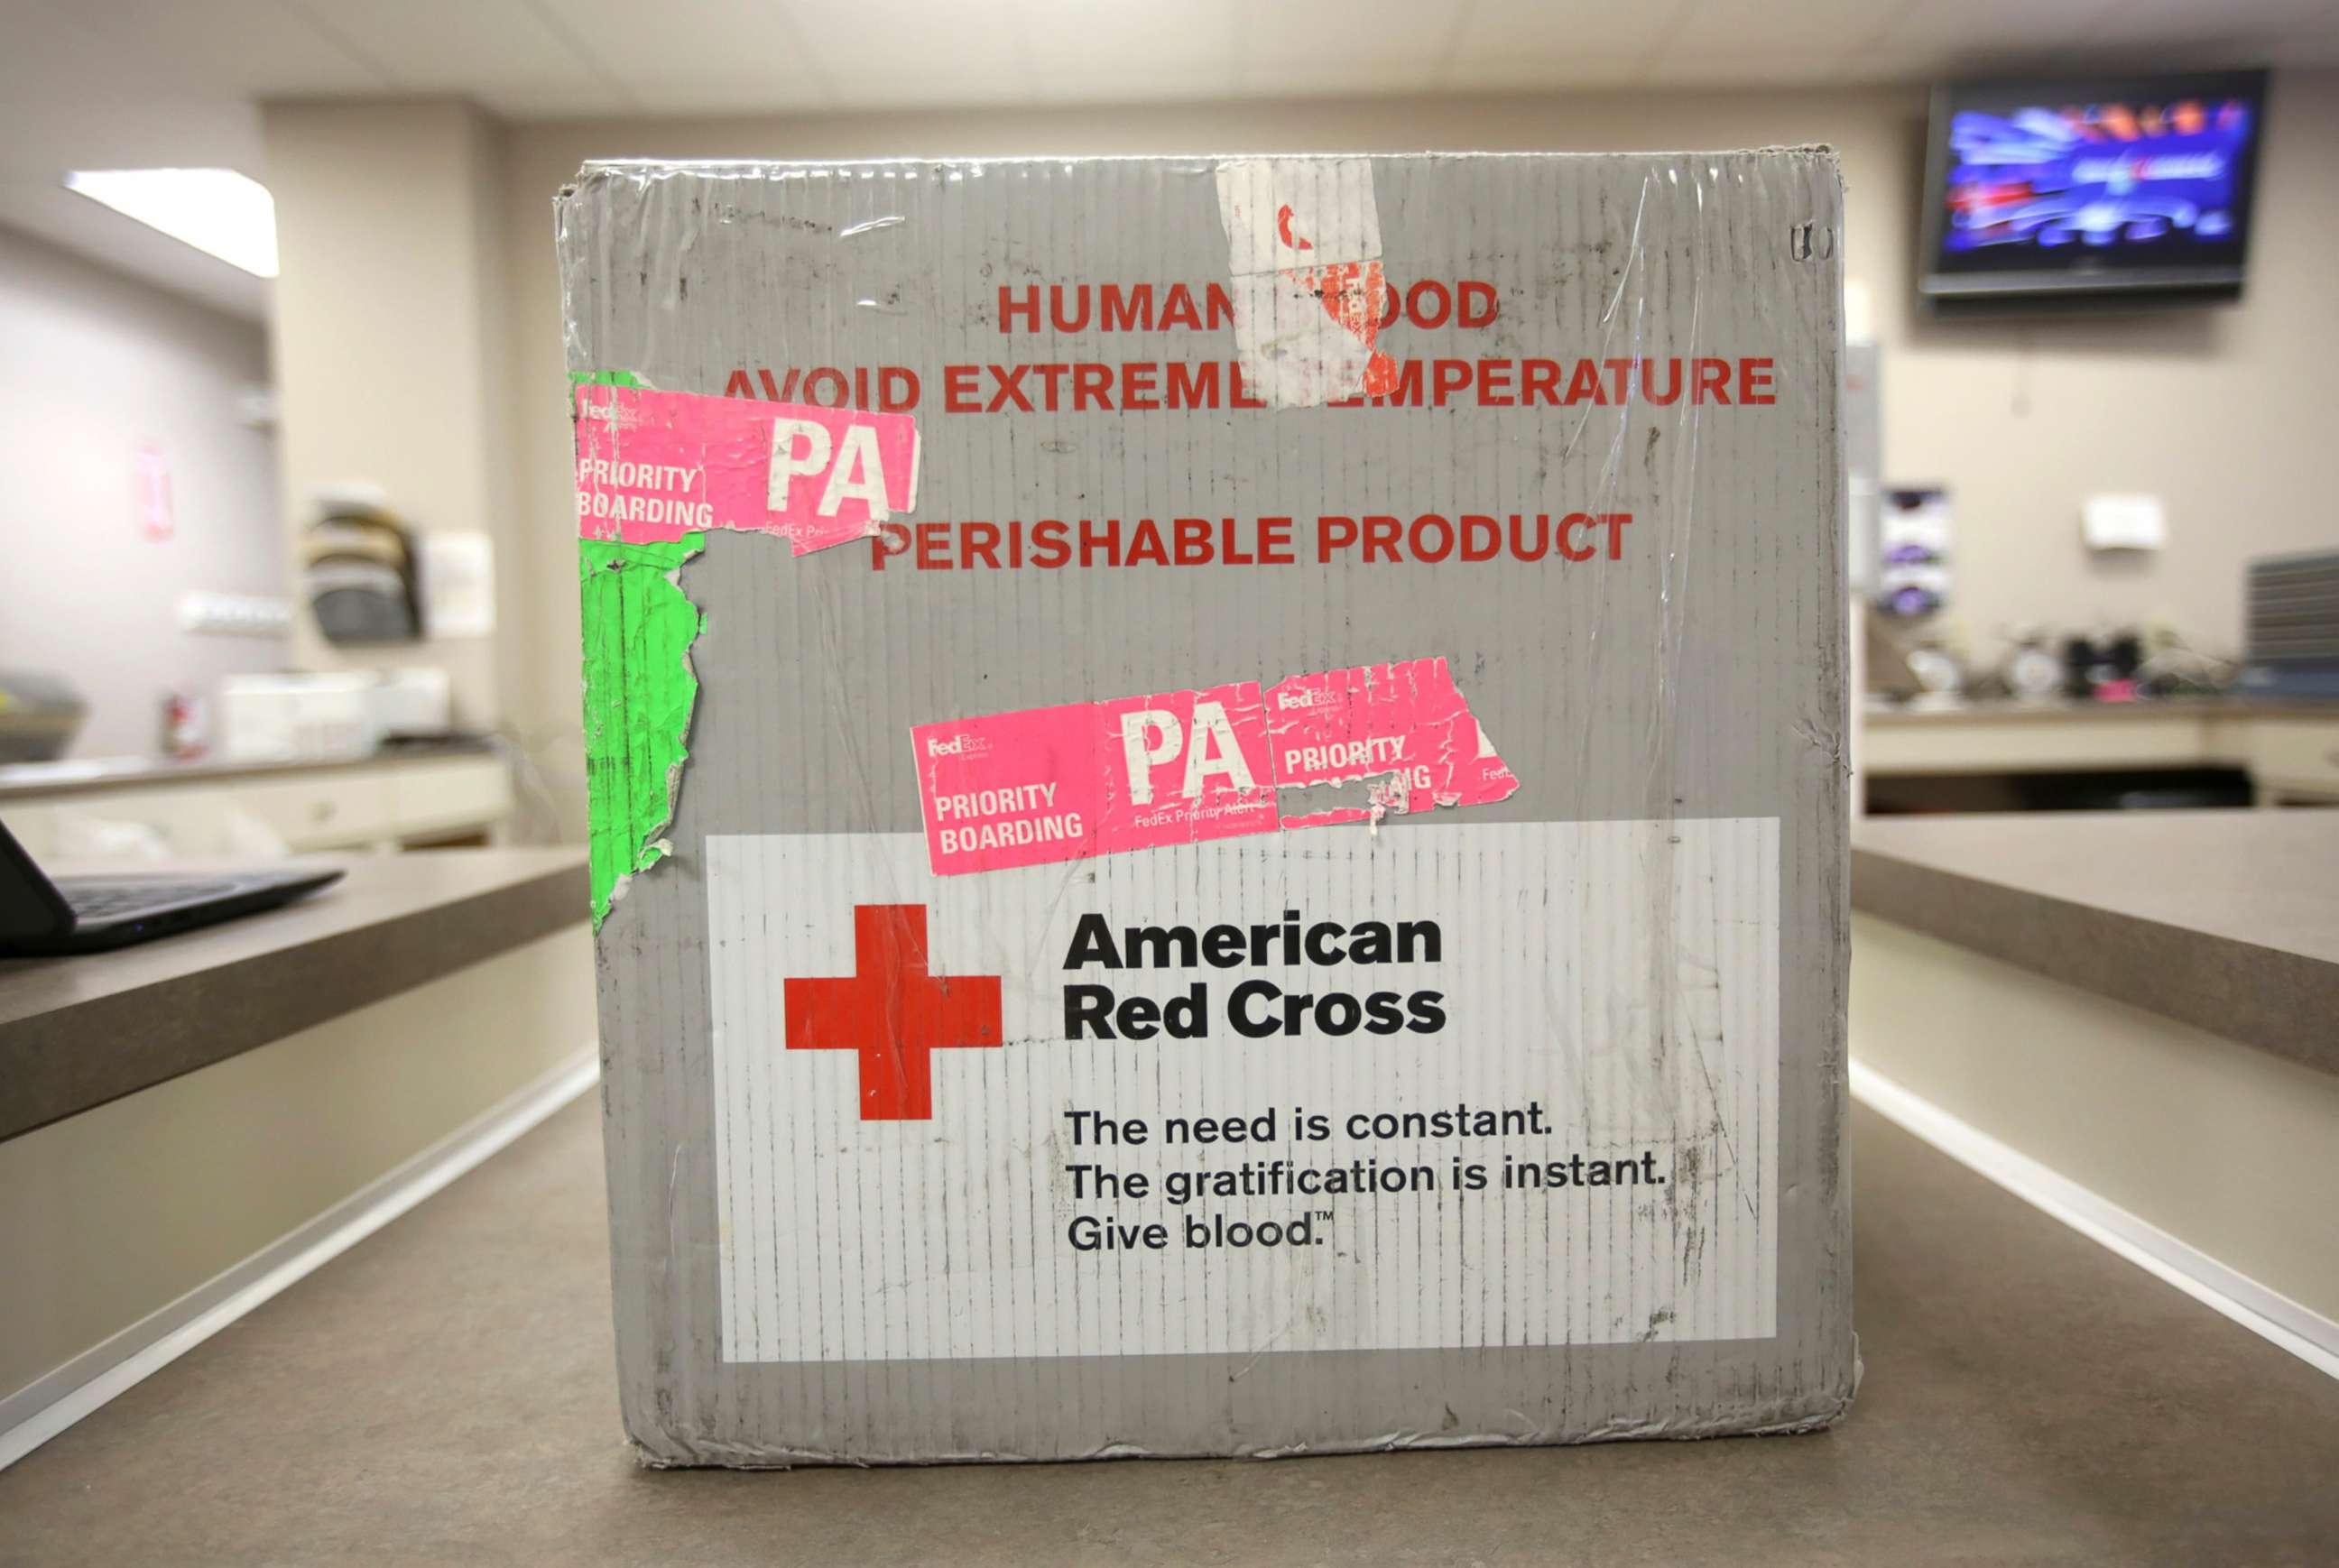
(48, 1405)
(2272, 1316)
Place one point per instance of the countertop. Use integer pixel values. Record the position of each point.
(79, 776)
(444, 1393)
(2065, 710)
(75, 1032)
(2229, 921)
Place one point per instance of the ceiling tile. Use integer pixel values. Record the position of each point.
(1122, 84)
(239, 48)
(885, 50)
(683, 98)
(1996, 27)
(1369, 45)
(1346, 76)
(1076, 39)
(1577, 70)
(68, 100)
(57, 52)
(927, 86)
(1681, 67)
(1524, 43)
(704, 56)
(2176, 21)
(1767, 29)
(483, 48)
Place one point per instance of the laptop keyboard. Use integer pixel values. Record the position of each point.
(129, 897)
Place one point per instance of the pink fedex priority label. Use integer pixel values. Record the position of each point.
(653, 466)
(1096, 778)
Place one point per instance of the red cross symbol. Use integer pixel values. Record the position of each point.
(894, 1012)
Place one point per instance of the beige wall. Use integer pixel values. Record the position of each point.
(389, 356)
(119, 363)
(2219, 411)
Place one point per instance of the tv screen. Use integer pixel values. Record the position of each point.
(2100, 186)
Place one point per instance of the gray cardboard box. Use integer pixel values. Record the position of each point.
(1218, 800)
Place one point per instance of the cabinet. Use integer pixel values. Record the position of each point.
(255, 814)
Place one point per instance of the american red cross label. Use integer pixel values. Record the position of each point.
(1230, 1096)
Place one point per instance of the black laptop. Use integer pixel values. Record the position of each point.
(41, 915)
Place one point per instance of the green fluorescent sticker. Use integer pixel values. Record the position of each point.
(640, 690)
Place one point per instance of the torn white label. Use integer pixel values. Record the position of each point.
(1303, 260)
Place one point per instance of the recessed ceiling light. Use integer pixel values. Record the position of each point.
(217, 210)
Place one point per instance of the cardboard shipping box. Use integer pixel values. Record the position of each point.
(1217, 803)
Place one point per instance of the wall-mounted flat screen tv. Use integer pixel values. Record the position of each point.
(2100, 188)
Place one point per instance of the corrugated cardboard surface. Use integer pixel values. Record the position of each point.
(1646, 940)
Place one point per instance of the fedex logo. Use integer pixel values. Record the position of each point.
(956, 746)
(624, 416)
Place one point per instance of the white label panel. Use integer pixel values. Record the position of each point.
(1607, 992)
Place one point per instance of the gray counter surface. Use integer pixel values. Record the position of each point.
(75, 1032)
(446, 1392)
(2229, 921)
(82, 775)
